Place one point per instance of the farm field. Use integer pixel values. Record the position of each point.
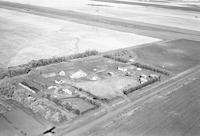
(29, 37)
(175, 56)
(124, 11)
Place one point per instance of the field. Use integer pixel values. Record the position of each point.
(108, 88)
(121, 10)
(25, 37)
(7, 129)
(175, 56)
(19, 116)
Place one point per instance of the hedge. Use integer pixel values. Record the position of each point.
(7, 90)
(132, 89)
(140, 65)
(116, 58)
(151, 68)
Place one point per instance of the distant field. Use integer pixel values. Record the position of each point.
(109, 8)
(25, 37)
(176, 56)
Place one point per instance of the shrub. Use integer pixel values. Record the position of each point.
(66, 105)
(116, 58)
(7, 90)
(4, 74)
(91, 109)
(44, 62)
(18, 71)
